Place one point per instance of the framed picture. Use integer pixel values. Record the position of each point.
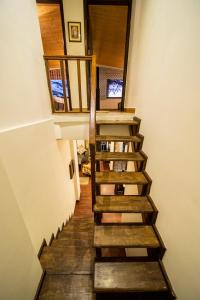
(71, 169)
(114, 88)
(74, 31)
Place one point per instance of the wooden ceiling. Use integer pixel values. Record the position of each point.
(108, 33)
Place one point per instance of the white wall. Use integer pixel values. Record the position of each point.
(38, 178)
(163, 85)
(24, 95)
(34, 195)
(73, 11)
(20, 269)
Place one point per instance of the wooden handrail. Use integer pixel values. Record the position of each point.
(67, 57)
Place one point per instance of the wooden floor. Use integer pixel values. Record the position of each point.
(69, 260)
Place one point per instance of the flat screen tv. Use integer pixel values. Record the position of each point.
(114, 88)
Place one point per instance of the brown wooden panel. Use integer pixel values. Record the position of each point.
(121, 177)
(116, 138)
(117, 122)
(51, 30)
(125, 236)
(129, 276)
(124, 204)
(115, 156)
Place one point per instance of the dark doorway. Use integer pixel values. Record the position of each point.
(107, 26)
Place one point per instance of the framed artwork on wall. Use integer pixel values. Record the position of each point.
(74, 31)
(71, 168)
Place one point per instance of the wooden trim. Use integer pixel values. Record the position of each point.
(93, 103)
(172, 293)
(109, 2)
(51, 239)
(37, 294)
(44, 244)
(128, 26)
(63, 26)
(67, 57)
(129, 110)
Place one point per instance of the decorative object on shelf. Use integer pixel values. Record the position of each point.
(71, 169)
(74, 31)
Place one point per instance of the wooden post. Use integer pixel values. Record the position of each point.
(49, 85)
(64, 84)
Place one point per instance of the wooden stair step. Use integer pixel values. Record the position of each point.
(70, 260)
(117, 156)
(63, 243)
(70, 287)
(108, 177)
(117, 122)
(115, 138)
(129, 277)
(125, 236)
(75, 235)
(123, 204)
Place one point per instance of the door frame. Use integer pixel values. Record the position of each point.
(88, 42)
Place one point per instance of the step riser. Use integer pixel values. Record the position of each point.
(148, 218)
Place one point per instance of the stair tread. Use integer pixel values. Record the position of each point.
(129, 276)
(71, 287)
(121, 177)
(117, 122)
(122, 204)
(117, 138)
(70, 260)
(138, 236)
(128, 156)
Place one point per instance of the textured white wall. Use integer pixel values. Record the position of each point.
(163, 85)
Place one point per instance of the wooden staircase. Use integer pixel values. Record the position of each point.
(134, 276)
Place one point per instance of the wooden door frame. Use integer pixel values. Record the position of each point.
(88, 43)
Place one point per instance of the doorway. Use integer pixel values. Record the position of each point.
(107, 27)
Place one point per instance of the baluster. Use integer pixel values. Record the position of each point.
(68, 84)
(49, 85)
(79, 84)
(63, 84)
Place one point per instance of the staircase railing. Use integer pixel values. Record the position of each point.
(69, 84)
(92, 130)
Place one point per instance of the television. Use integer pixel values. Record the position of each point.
(114, 88)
